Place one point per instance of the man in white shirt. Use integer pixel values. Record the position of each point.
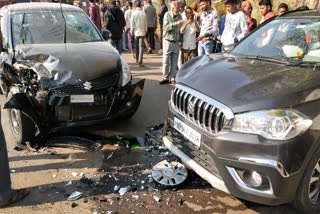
(127, 17)
(235, 26)
(189, 29)
(139, 30)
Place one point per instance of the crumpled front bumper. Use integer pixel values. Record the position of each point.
(124, 101)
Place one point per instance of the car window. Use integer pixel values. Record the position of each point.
(284, 39)
(50, 27)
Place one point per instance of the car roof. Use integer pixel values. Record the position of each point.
(301, 14)
(38, 6)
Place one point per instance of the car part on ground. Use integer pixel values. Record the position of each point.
(169, 173)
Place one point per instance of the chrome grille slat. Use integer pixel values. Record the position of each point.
(202, 112)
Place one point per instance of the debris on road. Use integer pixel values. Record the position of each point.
(116, 188)
(75, 196)
(169, 174)
(153, 135)
(157, 198)
(123, 190)
(69, 183)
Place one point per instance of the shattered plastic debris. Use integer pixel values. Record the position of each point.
(114, 177)
(81, 174)
(116, 188)
(69, 183)
(135, 197)
(123, 190)
(54, 175)
(13, 170)
(157, 198)
(110, 156)
(75, 196)
(74, 174)
(153, 135)
(169, 174)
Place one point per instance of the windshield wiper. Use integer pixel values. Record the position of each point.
(268, 59)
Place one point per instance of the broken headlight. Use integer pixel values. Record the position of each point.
(126, 73)
(273, 124)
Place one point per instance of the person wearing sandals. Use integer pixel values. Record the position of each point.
(7, 194)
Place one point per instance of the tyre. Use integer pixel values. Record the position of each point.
(308, 194)
(22, 127)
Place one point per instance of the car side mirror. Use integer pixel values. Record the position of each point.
(106, 34)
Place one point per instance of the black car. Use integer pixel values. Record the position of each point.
(247, 121)
(57, 71)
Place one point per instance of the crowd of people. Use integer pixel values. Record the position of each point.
(184, 31)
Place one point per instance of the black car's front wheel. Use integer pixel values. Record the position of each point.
(22, 127)
(308, 195)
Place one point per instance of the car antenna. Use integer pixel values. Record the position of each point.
(65, 25)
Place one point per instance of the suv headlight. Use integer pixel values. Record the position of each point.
(126, 72)
(276, 124)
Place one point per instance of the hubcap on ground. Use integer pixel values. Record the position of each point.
(314, 184)
(169, 174)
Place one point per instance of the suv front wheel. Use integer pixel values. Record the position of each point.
(308, 195)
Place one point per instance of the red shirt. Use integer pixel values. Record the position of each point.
(267, 16)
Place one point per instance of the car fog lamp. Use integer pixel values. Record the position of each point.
(252, 178)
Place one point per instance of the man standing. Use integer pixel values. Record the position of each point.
(151, 21)
(235, 27)
(246, 7)
(266, 10)
(171, 37)
(128, 16)
(94, 13)
(283, 8)
(139, 30)
(163, 11)
(115, 24)
(209, 28)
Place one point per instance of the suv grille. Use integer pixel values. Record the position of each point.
(97, 84)
(200, 112)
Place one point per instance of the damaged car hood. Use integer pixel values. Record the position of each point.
(246, 85)
(68, 63)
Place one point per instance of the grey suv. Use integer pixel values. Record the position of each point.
(247, 121)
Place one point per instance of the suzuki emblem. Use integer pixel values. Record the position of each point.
(87, 85)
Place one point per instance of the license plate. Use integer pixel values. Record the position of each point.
(187, 131)
(83, 98)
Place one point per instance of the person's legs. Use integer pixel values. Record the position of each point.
(7, 195)
(136, 44)
(119, 45)
(184, 55)
(131, 43)
(161, 32)
(166, 59)
(5, 181)
(174, 49)
(146, 42)
(140, 39)
(200, 48)
(151, 37)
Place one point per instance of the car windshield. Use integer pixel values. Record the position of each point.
(49, 27)
(285, 39)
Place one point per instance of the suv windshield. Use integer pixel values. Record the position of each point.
(284, 39)
(49, 28)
